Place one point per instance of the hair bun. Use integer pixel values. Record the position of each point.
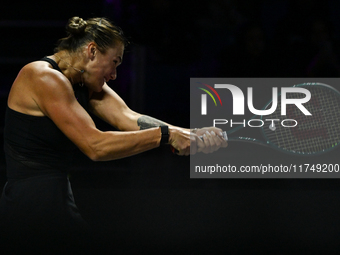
(76, 26)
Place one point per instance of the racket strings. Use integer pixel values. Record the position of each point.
(317, 127)
(312, 134)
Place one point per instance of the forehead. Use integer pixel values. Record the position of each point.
(116, 51)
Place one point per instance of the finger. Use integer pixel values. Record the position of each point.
(208, 141)
(181, 153)
(187, 152)
(217, 141)
(193, 145)
(217, 130)
(224, 143)
(200, 143)
(225, 139)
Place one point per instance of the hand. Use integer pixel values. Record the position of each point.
(185, 143)
(179, 139)
(212, 140)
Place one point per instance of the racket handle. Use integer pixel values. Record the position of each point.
(224, 134)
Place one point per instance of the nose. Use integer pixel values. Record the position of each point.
(113, 75)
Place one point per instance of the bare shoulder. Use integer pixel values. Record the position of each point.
(36, 83)
(41, 73)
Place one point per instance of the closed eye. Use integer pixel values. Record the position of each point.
(116, 61)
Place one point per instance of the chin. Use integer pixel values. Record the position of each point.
(98, 89)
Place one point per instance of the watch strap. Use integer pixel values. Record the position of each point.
(165, 134)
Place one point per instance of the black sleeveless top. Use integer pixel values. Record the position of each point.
(38, 194)
(34, 145)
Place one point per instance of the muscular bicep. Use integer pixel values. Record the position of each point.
(58, 102)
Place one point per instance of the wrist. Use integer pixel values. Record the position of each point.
(165, 135)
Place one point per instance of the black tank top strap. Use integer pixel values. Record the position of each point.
(52, 62)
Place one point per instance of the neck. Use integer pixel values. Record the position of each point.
(70, 66)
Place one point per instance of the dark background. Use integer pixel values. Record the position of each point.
(148, 203)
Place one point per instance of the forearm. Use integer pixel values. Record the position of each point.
(115, 145)
(146, 122)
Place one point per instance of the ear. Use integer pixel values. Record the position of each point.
(91, 50)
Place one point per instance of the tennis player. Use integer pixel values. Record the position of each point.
(47, 118)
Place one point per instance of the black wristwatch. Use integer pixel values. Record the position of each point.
(165, 134)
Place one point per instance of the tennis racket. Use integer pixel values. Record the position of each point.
(315, 134)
